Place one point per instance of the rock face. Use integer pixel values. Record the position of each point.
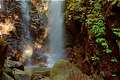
(22, 77)
(40, 75)
(63, 70)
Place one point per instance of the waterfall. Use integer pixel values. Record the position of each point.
(56, 31)
(25, 20)
(26, 38)
(1, 5)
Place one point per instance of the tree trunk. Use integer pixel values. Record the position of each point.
(109, 34)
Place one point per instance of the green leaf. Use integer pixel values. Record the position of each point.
(100, 23)
(114, 59)
(108, 50)
(97, 6)
(114, 2)
(100, 40)
(117, 33)
(104, 44)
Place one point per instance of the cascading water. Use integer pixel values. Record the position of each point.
(1, 5)
(26, 38)
(56, 31)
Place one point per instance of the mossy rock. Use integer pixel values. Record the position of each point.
(46, 78)
(40, 75)
(64, 70)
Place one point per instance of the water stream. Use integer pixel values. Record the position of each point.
(1, 5)
(56, 31)
(26, 38)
